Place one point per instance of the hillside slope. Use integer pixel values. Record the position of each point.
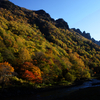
(87, 35)
(43, 50)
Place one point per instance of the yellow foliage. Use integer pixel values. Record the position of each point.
(24, 55)
(75, 57)
(1, 38)
(6, 68)
(67, 62)
(36, 71)
(20, 40)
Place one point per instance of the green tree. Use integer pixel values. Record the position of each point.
(24, 55)
(70, 77)
(1, 58)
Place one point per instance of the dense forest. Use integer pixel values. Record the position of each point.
(35, 49)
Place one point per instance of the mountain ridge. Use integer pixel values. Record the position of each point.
(63, 24)
(87, 35)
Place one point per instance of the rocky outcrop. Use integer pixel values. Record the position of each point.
(60, 23)
(86, 35)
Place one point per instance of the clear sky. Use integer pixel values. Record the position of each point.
(82, 14)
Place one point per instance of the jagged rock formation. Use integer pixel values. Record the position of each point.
(86, 35)
(60, 23)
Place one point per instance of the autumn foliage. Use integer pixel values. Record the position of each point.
(31, 72)
(40, 51)
(6, 72)
(6, 68)
(28, 75)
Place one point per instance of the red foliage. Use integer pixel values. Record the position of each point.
(29, 75)
(31, 72)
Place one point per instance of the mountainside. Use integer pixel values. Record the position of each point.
(87, 35)
(39, 49)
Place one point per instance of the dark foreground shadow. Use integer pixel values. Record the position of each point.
(50, 93)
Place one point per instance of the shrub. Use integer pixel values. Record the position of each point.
(1, 58)
(69, 77)
(31, 72)
(24, 55)
(6, 71)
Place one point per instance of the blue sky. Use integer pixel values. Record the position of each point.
(82, 14)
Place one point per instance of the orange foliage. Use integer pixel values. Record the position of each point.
(6, 68)
(33, 72)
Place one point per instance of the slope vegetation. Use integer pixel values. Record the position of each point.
(43, 50)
